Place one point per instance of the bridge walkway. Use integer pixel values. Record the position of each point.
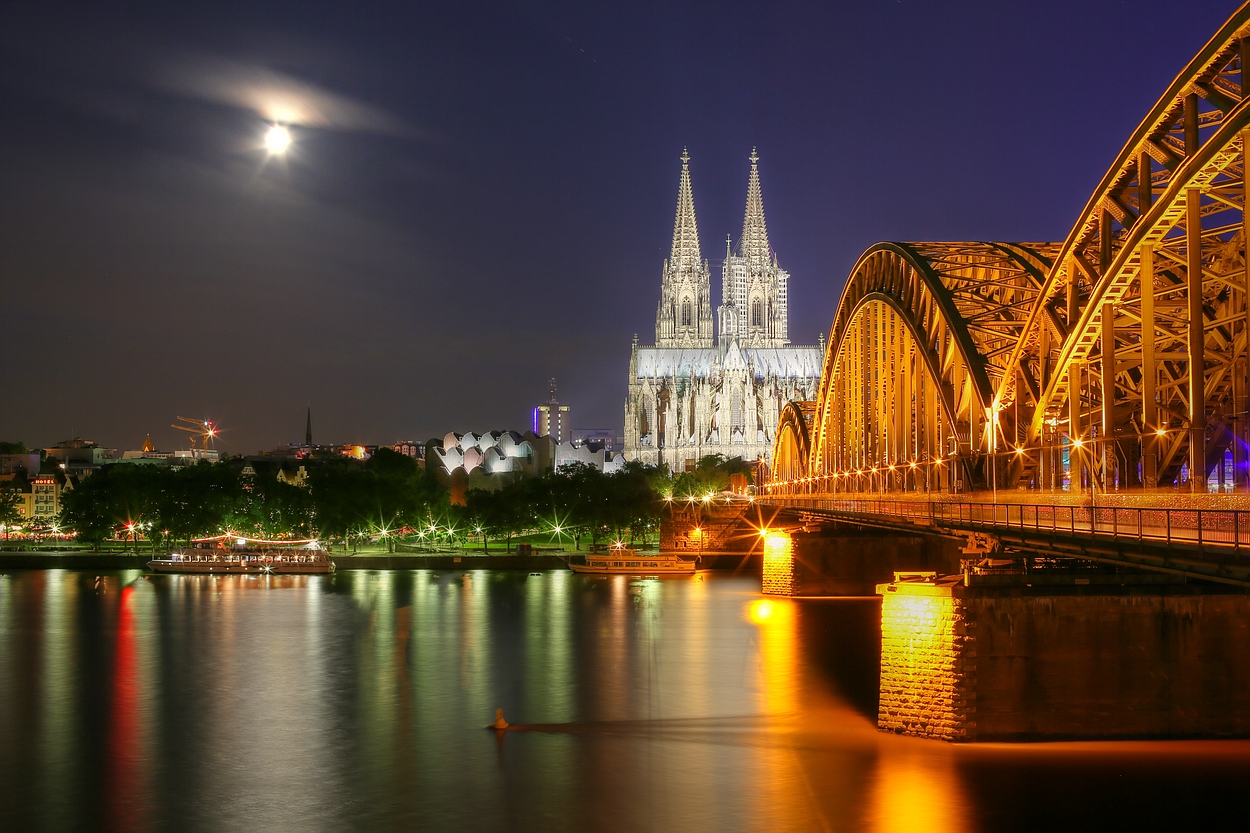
(1212, 544)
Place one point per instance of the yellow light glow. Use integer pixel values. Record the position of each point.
(1162, 432)
(277, 139)
(1078, 443)
(760, 611)
(778, 578)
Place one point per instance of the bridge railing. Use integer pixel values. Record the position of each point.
(1224, 528)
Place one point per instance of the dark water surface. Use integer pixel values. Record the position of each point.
(357, 702)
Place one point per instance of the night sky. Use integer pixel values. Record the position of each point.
(480, 196)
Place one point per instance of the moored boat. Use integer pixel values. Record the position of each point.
(225, 561)
(620, 561)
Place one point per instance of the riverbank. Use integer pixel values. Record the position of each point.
(373, 561)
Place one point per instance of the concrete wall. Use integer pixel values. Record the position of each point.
(1112, 666)
(965, 664)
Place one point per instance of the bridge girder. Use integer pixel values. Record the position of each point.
(1013, 353)
(916, 347)
(792, 446)
(1149, 292)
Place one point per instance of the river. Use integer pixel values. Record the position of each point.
(358, 701)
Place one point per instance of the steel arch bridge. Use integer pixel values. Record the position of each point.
(1115, 359)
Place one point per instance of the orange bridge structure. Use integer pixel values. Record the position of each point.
(1082, 397)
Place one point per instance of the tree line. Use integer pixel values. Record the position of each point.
(390, 498)
(168, 506)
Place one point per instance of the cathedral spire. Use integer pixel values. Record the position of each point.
(686, 253)
(754, 247)
(684, 315)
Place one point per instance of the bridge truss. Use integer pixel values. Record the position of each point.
(1118, 358)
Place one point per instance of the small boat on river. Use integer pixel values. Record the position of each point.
(620, 561)
(223, 560)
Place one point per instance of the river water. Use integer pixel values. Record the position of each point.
(358, 701)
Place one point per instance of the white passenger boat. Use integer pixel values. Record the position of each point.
(224, 561)
(622, 561)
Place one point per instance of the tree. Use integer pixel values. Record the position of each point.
(9, 514)
(272, 508)
(88, 508)
(340, 497)
(198, 500)
(634, 504)
(501, 513)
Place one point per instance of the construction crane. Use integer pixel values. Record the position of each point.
(204, 429)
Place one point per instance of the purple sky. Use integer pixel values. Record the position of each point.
(481, 195)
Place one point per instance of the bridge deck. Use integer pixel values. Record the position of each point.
(1210, 543)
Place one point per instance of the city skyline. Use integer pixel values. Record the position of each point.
(452, 176)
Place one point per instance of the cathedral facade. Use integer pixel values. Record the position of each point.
(717, 390)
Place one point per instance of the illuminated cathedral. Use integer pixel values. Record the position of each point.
(705, 389)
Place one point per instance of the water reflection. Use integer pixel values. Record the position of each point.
(917, 788)
(357, 702)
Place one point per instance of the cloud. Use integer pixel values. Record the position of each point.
(277, 97)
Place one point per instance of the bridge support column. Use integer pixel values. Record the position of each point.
(1109, 456)
(1076, 455)
(969, 663)
(1196, 335)
(1151, 443)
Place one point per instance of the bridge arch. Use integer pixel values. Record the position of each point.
(1117, 358)
(792, 448)
(916, 347)
(1134, 359)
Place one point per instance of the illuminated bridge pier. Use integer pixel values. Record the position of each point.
(1077, 413)
(1001, 660)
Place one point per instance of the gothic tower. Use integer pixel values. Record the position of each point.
(754, 289)
(684, 315)
(689, 397)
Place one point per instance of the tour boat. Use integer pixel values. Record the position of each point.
(622, 561)
(219, 561)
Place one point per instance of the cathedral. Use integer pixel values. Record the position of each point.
(703, 390)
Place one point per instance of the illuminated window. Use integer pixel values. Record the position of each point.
(685, 312)
(757, 313)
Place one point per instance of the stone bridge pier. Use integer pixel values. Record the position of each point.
(1050, 656)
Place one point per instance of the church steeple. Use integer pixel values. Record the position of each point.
(754, 247)
(755, 288)
(686, 253)
(684, 315)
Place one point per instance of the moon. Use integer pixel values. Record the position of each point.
(277, 139)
